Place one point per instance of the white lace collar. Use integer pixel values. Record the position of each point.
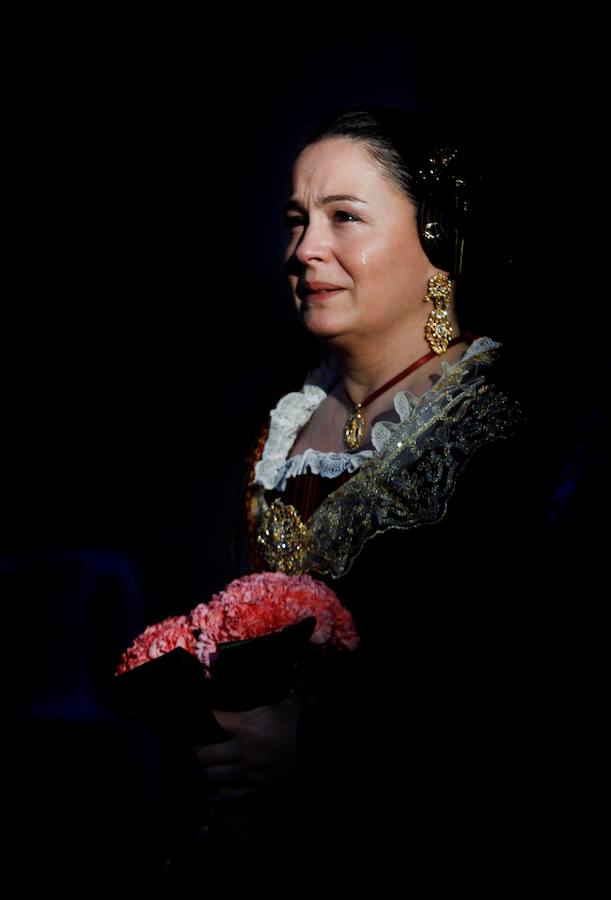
(296, 408)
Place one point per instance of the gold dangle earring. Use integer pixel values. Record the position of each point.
(438, 329)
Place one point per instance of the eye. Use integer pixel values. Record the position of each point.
(291, 222)
(342, 213)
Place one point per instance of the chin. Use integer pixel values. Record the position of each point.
(323, 324)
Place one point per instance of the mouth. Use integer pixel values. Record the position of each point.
(317, 291)
(322, 295)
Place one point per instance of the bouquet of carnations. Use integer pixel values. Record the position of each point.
(250, 645)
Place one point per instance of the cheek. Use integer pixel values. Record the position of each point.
(393, 259)
(293, 286)
(379, 262)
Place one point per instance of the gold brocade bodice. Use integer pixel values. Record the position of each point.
(407, 482)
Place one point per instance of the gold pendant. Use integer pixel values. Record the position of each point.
(354, 429)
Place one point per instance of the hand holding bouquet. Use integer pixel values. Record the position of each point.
(249, 646)
(229, 680)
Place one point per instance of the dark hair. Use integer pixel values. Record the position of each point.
(439, 168)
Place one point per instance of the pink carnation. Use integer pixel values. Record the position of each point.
(173, 632)
(248, 607)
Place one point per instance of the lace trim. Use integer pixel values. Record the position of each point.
(329, 465)
(406, 403)
(296, 408)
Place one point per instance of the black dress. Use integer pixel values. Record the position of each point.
(452, 721)
(433, 731)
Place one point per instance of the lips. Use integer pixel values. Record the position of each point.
(319, 287)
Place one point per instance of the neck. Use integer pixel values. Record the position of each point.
(369, 364)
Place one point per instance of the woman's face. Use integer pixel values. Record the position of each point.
(351, 228)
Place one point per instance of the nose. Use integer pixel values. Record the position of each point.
(313, 244)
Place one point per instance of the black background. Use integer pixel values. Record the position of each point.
(147, 320)
(148, 315)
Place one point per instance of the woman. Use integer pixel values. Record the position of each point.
(395, 474)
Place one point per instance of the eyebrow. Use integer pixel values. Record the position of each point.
(331, 198)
